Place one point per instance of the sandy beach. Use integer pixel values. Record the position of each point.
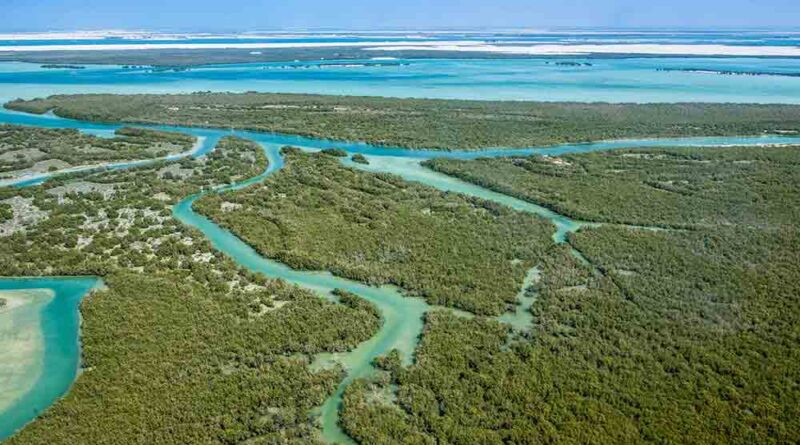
(21, 342)
(18, 298)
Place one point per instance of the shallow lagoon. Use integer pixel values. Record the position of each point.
(630, 79)
(41, 319)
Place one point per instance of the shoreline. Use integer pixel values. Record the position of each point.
(22, 343)
(52, 295)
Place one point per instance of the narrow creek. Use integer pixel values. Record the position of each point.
(402, 316)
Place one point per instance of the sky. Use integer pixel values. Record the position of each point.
(252, 15)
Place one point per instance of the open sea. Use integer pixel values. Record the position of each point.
(585, 78)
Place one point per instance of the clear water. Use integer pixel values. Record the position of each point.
(749, 38)
(608, 79)
(522, 317)
(52, 325)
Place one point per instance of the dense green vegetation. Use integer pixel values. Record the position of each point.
(170, 362)
(359, 158)
(336, 152)
(233, 159)
(680, 187)
(183, 346)
(316, 214)
(691, 348)
(6, 213)
(23, 148)
(425, 123)
(672, 336)
(683, 335)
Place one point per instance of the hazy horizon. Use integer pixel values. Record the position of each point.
(464, 29)
(412, 15)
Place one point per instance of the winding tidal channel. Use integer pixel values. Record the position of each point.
(55, 312)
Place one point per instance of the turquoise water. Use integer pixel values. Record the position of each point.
(411, 170)
(522, 317)
(731, 37)
(608, 79)
(58, 321)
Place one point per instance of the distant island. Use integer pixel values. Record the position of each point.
(423, 123)
(56, 66)
(729, 72)
(337, 65)
(156, 68)
(570, 63)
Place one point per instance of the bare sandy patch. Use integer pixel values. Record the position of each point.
(21, 342)
(25, 214)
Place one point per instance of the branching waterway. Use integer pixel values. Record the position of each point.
(402, 316)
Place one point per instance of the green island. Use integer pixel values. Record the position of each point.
(424, 123)
(672, 319)
(359, 158)
(56, 66)
(33, 150)
(186, 58)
